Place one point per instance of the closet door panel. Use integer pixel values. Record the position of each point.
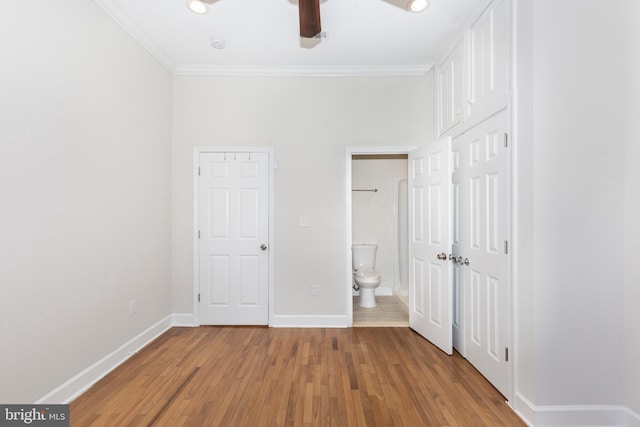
(488, 63)
(449, 89)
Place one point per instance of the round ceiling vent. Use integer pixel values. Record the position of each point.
(218, 43)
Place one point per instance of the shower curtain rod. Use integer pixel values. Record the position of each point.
(375, 190)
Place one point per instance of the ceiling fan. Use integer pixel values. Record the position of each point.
(309, 12)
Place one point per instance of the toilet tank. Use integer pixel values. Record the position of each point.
(363, 256)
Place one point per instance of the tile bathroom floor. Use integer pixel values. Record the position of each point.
(390, 311)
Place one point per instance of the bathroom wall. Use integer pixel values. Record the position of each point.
(373, 212)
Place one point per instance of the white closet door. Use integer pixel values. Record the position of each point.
(449, 90)
(459, 208)
(484, 227)
(430, 242)
(488, 73)
(234, 260)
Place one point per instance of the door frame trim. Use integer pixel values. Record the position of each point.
(196, 220)
(349, 153)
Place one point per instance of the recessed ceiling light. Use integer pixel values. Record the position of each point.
(197, 6)
(418, 5)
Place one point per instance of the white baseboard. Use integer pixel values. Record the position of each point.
(524, 409)
(73, 387)
(575, 415)
(631, 418)
(308, 321)
(183, 319)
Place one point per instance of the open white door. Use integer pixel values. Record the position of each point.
(430, 285)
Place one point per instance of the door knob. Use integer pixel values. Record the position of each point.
(442, 256)
(263, 247)
(461, 261)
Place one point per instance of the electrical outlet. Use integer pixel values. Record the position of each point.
(305, 221)
(132, 306)
(315, 290)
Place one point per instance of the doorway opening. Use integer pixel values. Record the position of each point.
(376, 190)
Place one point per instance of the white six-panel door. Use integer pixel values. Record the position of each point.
(482, 218)
(459, 209)
(430, 289)
(233, 219)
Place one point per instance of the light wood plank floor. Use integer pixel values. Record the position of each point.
(389, 311)
(256, 376)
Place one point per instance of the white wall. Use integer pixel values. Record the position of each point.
(578, 213)
(523, 259)
(309, 122)
(631, 325)
(571, 264)
(85, 184)
(373, 213)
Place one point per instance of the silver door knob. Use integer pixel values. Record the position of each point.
(442, 256)
(461, 261)
(263, 247)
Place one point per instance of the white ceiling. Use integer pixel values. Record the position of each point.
(363, 37)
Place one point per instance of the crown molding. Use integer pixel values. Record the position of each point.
(309, 71)
(118, 15)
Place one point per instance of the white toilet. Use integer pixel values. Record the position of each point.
(366, 277)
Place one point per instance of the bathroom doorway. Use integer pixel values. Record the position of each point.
(377, 198)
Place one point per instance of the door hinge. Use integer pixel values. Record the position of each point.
(506, 354)
(506, 247)
(198, 297)
(198, 170)
(506, 140)
(198, 234)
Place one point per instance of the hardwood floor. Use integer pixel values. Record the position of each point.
(256, 376)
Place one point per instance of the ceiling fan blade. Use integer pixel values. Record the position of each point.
(309, 18)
